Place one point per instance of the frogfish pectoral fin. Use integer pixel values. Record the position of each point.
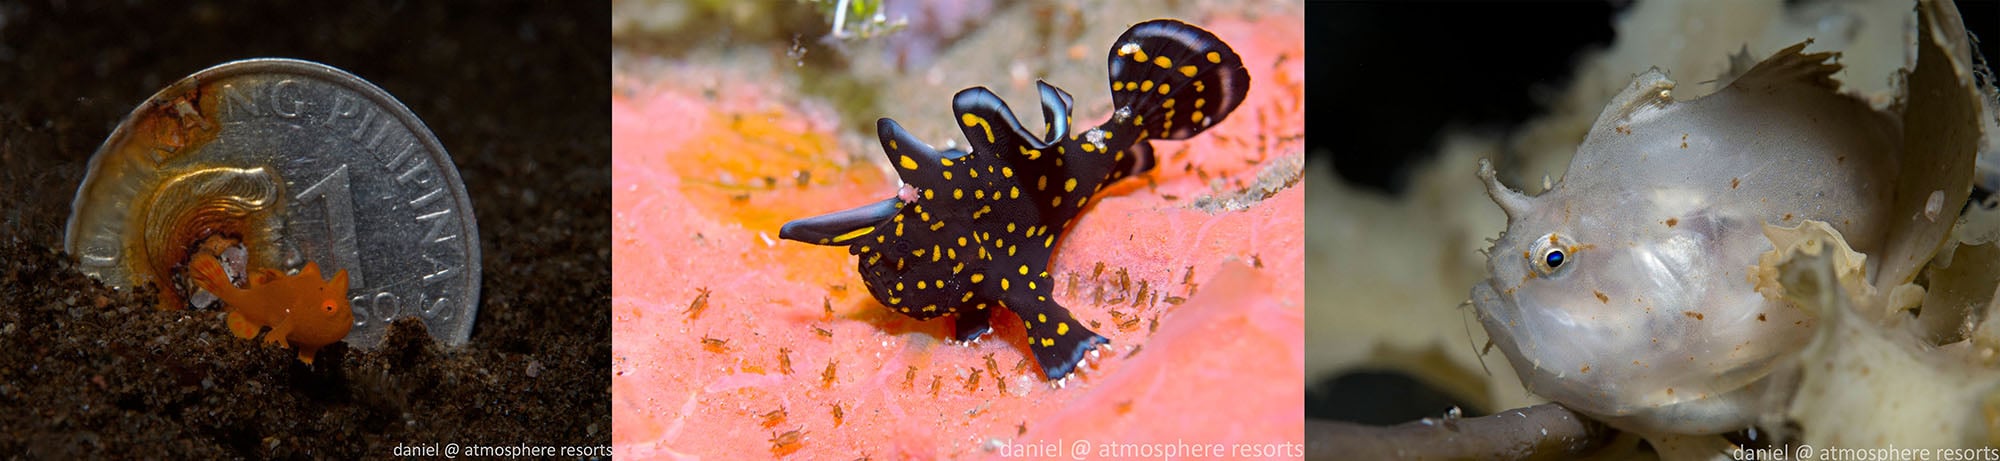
(1058, 340)
(281, 334)
(242, 326)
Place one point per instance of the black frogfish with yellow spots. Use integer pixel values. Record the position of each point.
(979, 231)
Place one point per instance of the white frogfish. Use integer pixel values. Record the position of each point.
(1624, 292)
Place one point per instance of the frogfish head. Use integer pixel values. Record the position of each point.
(324, 315)
(1614, 323)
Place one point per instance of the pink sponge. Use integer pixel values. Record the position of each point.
(729, 343)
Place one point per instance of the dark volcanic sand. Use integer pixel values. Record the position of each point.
(518, 93)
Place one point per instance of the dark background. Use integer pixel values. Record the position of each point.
(1389, 76)
(1392, 75)
(517, 92)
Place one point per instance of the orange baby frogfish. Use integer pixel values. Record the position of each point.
(303, 310)
(981, 234)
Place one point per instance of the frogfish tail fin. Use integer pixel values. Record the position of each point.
(206, 271)
(1172, 80)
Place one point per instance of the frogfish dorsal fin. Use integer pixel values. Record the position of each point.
(1056, 105)
(989, 124)
(1792, 65)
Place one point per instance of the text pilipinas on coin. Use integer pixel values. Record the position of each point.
(363, 186)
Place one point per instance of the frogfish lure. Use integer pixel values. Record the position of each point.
(978, 232)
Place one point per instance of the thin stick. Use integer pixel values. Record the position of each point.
(1546, 431)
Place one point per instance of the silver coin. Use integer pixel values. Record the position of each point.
(304, 163)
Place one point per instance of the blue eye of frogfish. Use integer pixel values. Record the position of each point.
(1549, 253)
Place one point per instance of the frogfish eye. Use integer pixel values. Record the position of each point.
(329, 307)
(1550, 254)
